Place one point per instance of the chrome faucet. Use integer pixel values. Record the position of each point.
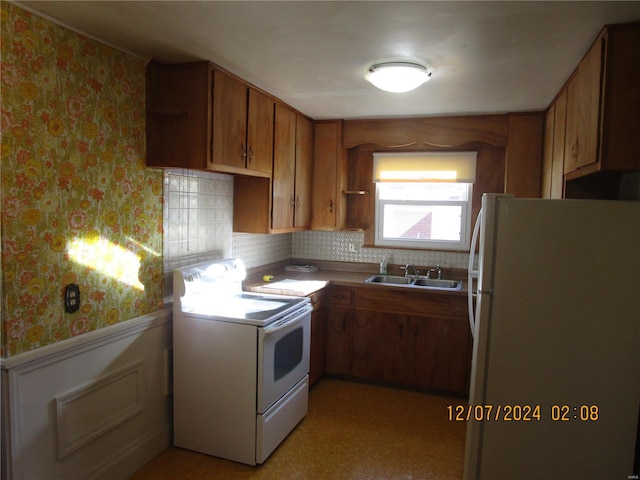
(437, 270)
(408, 267)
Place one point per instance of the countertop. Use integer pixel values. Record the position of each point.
(336, 273)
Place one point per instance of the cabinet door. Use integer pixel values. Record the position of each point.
(583, 111)
(304, 172)
(229, 121)
(524, 154)
(438, 354)
(178, 115)
(329, 176)
(378, 350)
(337, 360)
(284, 160)
(338, 330)
(260, 132)
(554, 144)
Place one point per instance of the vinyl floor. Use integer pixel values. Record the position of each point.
(352, 431)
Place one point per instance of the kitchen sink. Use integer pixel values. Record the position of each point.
(437, 283)
(390, 279)
(419, 281)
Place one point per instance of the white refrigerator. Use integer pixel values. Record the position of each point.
(555, 379)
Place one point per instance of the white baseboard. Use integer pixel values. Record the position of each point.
(92, 407)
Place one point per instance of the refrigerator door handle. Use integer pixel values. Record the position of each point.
(473, 273)
(486, 292)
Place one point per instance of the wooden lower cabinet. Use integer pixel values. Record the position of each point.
(317, 353)
(378, 346)
(338, 331)
(417, 340)
(439, 354)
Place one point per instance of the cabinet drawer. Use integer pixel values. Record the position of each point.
(339, 296)
(412, 303)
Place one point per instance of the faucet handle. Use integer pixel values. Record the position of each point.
(439, 268)
(408, 267)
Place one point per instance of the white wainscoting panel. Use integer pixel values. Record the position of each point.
(91, 410)
(91, 407)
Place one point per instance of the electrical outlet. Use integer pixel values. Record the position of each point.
(352, 247)
(72, 298)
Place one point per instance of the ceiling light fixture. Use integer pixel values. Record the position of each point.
(397, 77)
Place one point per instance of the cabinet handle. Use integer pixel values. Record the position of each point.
(292, 202)
(244, 152)
(574, 150)
(331, 205)
(298, 202)
(251, 153)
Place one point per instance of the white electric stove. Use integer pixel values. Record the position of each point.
(241, 363)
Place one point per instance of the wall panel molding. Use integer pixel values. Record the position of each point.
(91, 407)
(91, 410)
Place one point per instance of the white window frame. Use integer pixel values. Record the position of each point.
(465, 224)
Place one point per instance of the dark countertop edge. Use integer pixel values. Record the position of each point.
(342, 273)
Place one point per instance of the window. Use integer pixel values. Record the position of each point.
(426, 203)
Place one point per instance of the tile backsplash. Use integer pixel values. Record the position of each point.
(334, 246)
(256, 250)
(197, 219)
(198, 226)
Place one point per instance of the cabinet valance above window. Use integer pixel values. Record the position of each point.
(457, 167)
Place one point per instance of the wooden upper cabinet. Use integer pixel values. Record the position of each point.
(284, 168)
(242, 128)
(524, 154)
(329, 177)
(229, 121)
(554, 140)
(178, 115)
(304, 172)
(283, 203)
(603, 105)
(260, 132)
(291, 171)
(201, 118)
(583, 110)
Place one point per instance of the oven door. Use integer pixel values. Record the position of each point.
(283, 356)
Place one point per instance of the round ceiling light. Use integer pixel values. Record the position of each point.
(398, 77)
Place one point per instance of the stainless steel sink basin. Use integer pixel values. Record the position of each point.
(389, 279)
(437, 283)
(420, 282)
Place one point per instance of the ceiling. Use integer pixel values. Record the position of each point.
(486, 57)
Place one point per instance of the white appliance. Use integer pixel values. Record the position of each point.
(555, 380)
(241, 363)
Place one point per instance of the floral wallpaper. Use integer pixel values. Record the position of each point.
(78, 205)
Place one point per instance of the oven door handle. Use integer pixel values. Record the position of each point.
(287, 321)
